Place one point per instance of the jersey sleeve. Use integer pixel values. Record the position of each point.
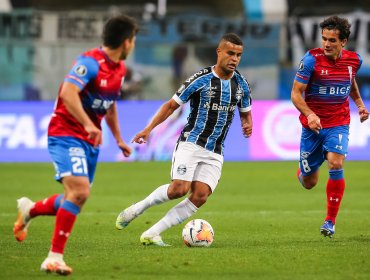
(359, 60)
(245, 103)
(84, 70)
(188, 88)
(306, 68)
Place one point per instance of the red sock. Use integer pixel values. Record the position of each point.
(48, 206)
(334, 194)
(65, 219)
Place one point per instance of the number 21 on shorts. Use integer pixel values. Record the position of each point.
(79, 165)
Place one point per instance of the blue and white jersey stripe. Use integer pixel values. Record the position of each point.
(212, 107)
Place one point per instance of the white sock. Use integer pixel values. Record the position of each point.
(176, 215)
(158, 196)
(56, 256)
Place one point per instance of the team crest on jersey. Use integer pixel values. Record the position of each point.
(181, 170)
(81, 70)
(301, 66)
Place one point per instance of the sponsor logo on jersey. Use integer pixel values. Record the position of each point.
(335, 90)
(227, 108)
(101, 104)
(81, 70)
(324, 72)
(217, 107)
(203, 71)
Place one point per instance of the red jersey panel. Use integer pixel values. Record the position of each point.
(328, 85)
(99, 79)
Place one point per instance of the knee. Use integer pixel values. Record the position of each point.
(80, 196)
(309, 183)
(198, 199)
(177, 190)
(336, 164)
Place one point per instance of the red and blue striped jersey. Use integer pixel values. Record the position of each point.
(100, 80)
(328, 85)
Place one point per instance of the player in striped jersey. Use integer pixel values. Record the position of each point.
(326, 79)
(214, 93)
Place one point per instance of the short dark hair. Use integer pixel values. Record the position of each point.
(232, 38)
(341, 24)
(117, 29)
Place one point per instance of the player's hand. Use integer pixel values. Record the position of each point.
(94, 133)
(314, 122)
(126, 150)
(364, 113)
(141, 137)
(247, 129)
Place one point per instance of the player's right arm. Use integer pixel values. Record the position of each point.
(356, 97)
(69, 94)
(297, 98)
(162, 114)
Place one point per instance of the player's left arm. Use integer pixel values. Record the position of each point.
(356, 97)
(247, 123)
(111, 118)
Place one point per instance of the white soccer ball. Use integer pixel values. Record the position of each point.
(198, 233)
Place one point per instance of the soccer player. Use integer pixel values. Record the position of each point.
(214, 94)
(325, 79)
(89, 93)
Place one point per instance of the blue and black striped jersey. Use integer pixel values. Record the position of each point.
(212, 107)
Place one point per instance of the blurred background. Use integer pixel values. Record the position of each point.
(39, 39)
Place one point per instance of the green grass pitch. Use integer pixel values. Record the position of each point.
(266, 226)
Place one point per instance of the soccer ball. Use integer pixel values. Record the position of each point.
(198, 233)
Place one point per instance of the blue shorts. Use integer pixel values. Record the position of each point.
(72, 157)
(314, 147)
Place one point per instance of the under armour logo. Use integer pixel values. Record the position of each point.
(103, 83)
(335, 199)
(66, 234)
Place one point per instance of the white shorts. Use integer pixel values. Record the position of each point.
(191, 162)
